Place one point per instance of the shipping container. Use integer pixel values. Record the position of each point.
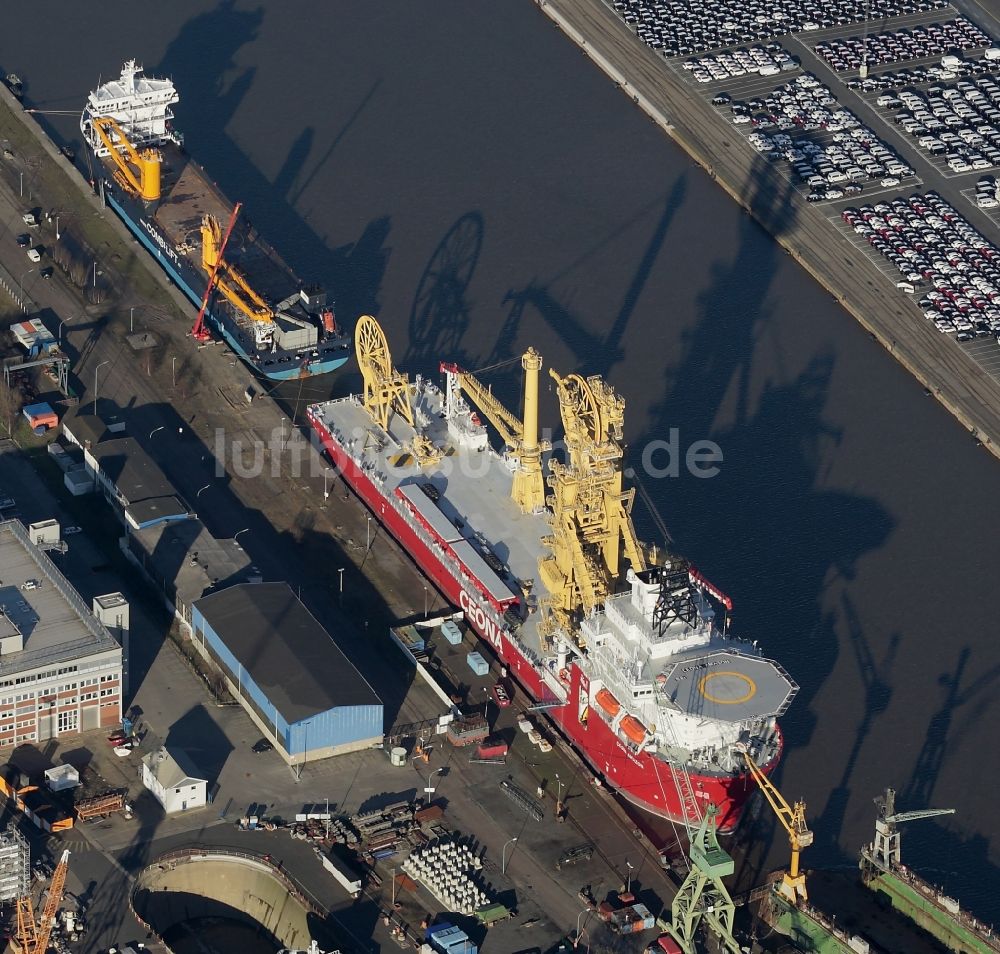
(451, 632)
(491, 749)
(477, 664)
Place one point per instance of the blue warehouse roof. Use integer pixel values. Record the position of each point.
(285, 650)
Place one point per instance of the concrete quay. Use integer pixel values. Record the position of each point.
(807, 232)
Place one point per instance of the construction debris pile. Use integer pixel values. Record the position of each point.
(448, 869)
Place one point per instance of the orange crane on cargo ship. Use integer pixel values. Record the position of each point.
(200, 332)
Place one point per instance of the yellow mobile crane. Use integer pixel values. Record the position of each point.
(793, 820)
(32, 938)
(144, 181)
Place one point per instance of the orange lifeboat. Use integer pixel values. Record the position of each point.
(633, 729)
(608, 702)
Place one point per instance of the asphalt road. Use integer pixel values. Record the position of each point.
(806, 231)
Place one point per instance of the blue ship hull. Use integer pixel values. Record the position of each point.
(276, 366)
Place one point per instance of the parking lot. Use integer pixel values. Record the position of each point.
(688, 27)
(932, 105)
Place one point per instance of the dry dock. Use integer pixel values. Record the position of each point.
(807, 232)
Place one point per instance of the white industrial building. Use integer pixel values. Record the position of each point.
(173, 780)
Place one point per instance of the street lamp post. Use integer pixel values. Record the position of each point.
(173, 369)
(559, 801)
(20, 283)
(236, 537)
(326, 486)
(503, 856)
(131, 316)
(98, 368)
(283, 441)
(368, 535)
(154, 430)
(426, 611)
(430, 789)
(628, 886)
(61, 323)
(340, 572)
(200, 492)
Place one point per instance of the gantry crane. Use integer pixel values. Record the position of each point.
(32, 938)
(520, 436)
(136, 172)
(793, 820)
(387, 390)
(200, 332)
(884, 851)
(703, 897)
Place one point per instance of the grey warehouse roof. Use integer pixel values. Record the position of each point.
(286, 651)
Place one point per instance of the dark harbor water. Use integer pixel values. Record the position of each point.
(462, 172)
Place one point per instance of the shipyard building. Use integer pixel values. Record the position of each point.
(287, 672)
(60, 668)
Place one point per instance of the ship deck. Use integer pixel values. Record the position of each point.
(189, 195)
(474, 488)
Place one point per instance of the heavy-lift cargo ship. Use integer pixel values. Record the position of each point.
(630, 662)
(276, 325)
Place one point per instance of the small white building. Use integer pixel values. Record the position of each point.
(173, 780)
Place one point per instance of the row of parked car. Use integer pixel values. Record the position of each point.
(960, 123)
(896, 46)
(687, 27)
(832, 168)
(770, 60)
(928, 241)
(931, 73)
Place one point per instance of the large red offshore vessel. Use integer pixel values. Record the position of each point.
(624, 648)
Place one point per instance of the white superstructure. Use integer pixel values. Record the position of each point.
(140, 104)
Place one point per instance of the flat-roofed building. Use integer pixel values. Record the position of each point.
(128, 477)
(60, 668)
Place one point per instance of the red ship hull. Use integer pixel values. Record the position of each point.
(643, 780)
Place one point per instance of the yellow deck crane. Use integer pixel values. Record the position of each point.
(387, 390)
(229, 280)
(136, 172)
(793, 820)
(520, 436)
(32, 938)
(590, 514)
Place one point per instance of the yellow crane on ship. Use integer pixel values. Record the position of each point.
(387, 391)
(590, 513)
(793, 820)
(520, 435)
(228, 279)
(33, 938)
(136, 172)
